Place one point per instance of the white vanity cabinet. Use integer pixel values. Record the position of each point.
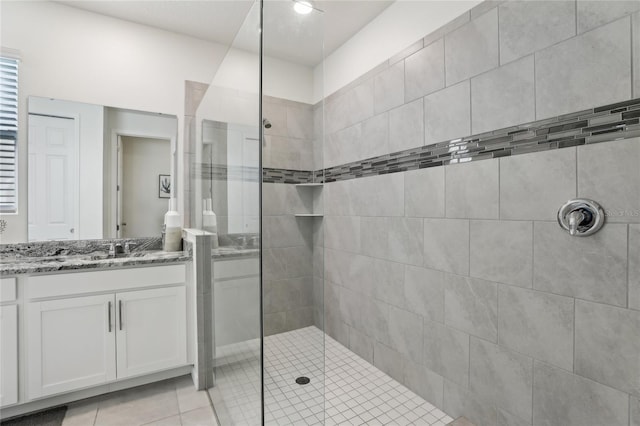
(76, 341)
(8, 355)
(236, 300)
(151, 334)
(8, 343)
(71, 344)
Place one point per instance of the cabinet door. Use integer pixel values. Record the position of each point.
(236, 310)
(8, 355)
(152, 330)
(70, 344)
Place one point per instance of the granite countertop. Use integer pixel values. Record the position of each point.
(37, 265)
(231, 252)
(52, 256)
(42, 257)
(237, 245)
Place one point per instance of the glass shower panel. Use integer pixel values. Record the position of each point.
(226, 183)
(293, 289)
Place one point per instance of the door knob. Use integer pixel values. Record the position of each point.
(581, 217)
(72, 230)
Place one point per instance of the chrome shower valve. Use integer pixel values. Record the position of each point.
(581, 217)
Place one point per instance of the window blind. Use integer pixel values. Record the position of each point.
(8, 135)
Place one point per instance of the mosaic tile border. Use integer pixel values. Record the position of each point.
(222, 172)
(607, 123)
(219, 172)
(270, 175)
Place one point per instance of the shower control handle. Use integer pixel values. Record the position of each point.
(575, 218)
(581, 217)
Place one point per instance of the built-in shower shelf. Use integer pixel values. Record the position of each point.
(308, 215)
(311, 185)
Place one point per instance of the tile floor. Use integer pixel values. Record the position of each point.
(172, 402)
(344, 390)
(353, 392)
(236, 395)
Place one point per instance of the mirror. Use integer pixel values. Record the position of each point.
(97, 172)
(226, 160)
(230, 158)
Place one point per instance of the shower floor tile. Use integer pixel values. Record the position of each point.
(344, 389)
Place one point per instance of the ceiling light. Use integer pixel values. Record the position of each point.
(302, 7)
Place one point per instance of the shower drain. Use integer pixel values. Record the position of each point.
(302, 380)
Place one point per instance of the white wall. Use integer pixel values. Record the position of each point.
(72, 54)
(90, 120)
(81, 56)
(400, 25)
(287, 80)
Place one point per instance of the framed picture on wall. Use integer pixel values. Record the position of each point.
(164, 186)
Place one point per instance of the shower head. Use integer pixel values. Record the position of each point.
(266, 123)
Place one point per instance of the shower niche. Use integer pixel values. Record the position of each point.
(314, 191)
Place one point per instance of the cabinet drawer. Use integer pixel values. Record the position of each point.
(226, 269)
(7, 289)
(99, 281)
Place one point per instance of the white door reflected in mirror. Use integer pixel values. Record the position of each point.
(53, 178)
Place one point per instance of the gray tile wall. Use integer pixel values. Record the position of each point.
(288, 274)
(484, 303)
(456, 280)
(292, 265)
(288, 144)
(502, 64)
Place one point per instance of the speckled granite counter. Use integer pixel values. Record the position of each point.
(237, 245)
(231, 245)
(223, 253)
(53, 256)
(70, 263)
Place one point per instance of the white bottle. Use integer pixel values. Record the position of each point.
(210, 221)
(172, 228)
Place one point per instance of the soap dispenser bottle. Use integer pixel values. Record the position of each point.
(172, 228)
(210, 221)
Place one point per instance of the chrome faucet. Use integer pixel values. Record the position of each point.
(128, 246)
(114, 248)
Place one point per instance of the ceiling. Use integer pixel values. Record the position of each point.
(302, 39)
